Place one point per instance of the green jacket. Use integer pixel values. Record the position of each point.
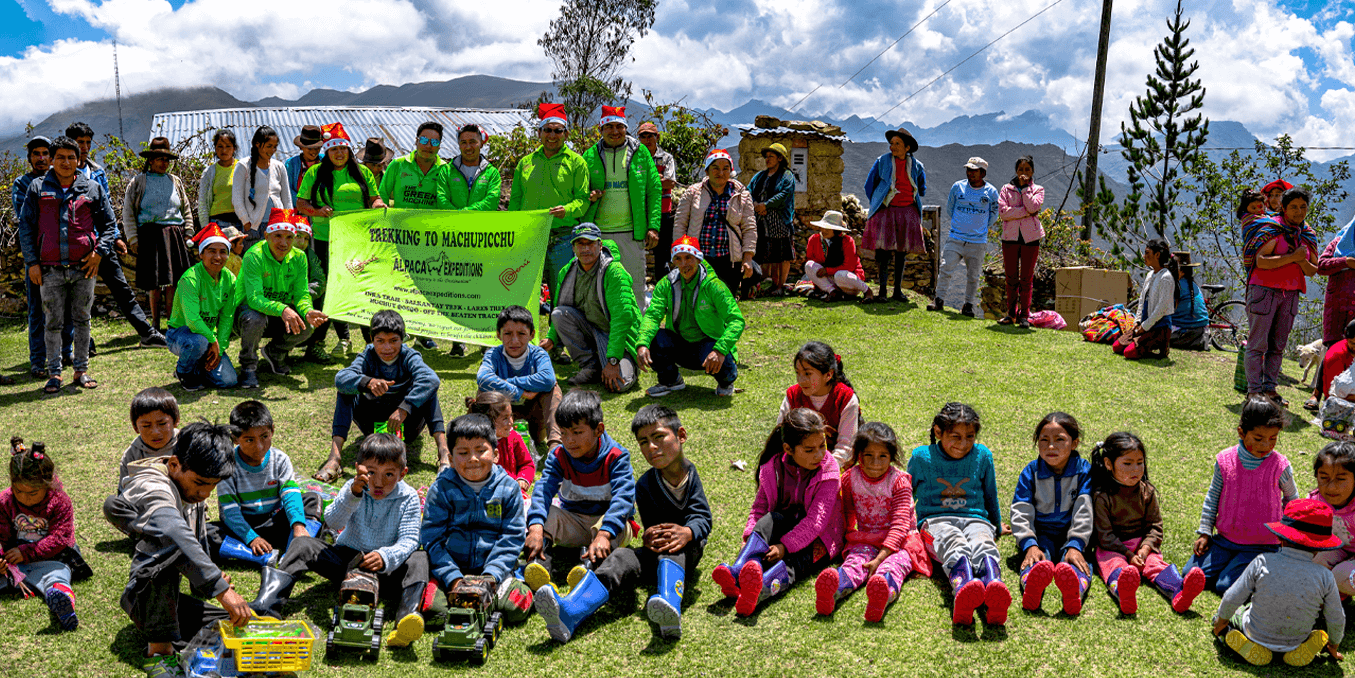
(540, 183)
(646, 192)
(270, 286)
(454, 194)
(618, 300)
(717, 313)
(206, 306)
(404, 185)
(315, 274)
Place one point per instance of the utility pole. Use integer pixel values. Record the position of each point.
(1093, 149)
(117, 87)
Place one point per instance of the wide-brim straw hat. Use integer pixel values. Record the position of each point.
(832, 220)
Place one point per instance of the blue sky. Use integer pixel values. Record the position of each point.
(1275, 65)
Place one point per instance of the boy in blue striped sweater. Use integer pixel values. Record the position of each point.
(261, 505)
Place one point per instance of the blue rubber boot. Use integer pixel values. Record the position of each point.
(562, 615)
(235, 549)
(665, 606)
(727, 575)
(773, 582)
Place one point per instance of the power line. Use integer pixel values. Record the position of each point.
(876, 57)
(971, 56)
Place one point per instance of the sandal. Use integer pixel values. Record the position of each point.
(85, 381)
(327, 473)
(53, 385)
(1312, 405)
(1006, 320)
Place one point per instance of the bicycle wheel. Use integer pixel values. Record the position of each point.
(1228, 325)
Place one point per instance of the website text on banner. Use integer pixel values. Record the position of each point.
(448, 273)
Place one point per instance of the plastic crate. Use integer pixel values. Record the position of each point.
(256, 648)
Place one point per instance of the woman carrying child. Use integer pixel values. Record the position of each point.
(1129, 527)
(1152, 333)
(37, 534)
(831, 262)
(883, 544)
(1278, 256)
(156, 206)
(820, 385)
(795, 525)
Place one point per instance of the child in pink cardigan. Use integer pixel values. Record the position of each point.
(37, 525)
(795, 525)
(883, 544)
(1334, 467)
(514, 456)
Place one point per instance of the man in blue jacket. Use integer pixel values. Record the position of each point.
(972, 206)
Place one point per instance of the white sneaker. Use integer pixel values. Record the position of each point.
(724, 391)
(661, 390)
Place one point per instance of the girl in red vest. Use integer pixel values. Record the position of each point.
(821, 386)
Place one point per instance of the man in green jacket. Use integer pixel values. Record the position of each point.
(704, 325)
(203, 314)
(277, 300)
(411, 181)
(626, 193)
(595, 315)
(470, 181)
(552, 177)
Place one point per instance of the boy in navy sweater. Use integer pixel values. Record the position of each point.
(388, 383)
(591, 474)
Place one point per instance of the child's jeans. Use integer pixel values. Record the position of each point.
(577, 530)
(897, 565)
(1224, 561)
(191, 347)
(41, 575)
(368, 410)
(1110, 561)
(635, 566)
(954, 255)
(950, 538)
(66, 290)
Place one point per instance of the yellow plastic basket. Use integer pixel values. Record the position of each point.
(266, 644)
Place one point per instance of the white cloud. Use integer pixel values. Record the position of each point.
(1263, 65)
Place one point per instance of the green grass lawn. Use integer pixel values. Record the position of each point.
(905, 363)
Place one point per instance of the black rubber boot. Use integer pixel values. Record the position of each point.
(275, 587)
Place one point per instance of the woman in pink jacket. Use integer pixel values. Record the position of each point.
(718, 212)
(1018, 206)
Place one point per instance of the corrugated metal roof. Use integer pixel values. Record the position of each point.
(755, 131)
(397, 125)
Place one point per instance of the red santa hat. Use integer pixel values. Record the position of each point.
(302, 224)
(282, 220)
(612, 114)
(717, 154)
(546, 113)
(211, 234)
(688, 245)
(334, 136)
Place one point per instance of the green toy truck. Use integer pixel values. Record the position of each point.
(357, 618)
(472, 627)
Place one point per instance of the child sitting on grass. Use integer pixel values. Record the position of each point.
(1334, 467)
(37, 533)
(821, 385)
(958, 513)
(677, 519)
(261, 504)
(523, 370)
(795, 526)
(514, 456)
(168, 495)
(883, 544)
(474, 523)
(590, 474)
(1129, 527)
(1052, 516)
(1275, 604)
(1252, 483)
(377, 514)
(155, 418)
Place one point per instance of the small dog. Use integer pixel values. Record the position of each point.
(1310, 356)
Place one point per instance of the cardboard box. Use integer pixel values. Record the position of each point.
(1081, 290)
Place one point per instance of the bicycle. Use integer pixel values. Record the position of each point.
(1227, 329)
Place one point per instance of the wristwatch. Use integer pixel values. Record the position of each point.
(613, 361)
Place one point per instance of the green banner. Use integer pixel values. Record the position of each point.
(447, 273)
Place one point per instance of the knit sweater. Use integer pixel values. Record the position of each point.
(205, 189)
(879, 511)
(1288, 591)
(537, 375)
(1127, 513)
(516, 459)
(779, 483)
(1214, 499)
(414, 379)
(257, 491)
(972, 211)
(270, 286)
(601, 485)
(1158, 299)
(473, 531)
(207, 306)
(139, 450)
(389, 526)
(964, 487)
(657, 505)
(1055, 505)
(841, 411)
(40, 532)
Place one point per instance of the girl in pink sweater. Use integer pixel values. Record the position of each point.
(37, 525)
(1334, 467)
(795, 525)
(883, 544)
(514, 456)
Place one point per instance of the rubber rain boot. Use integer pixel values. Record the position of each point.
(881, 590)
(996, 596)
(1123, 585)
(969, 592)
(1073, 586)
(727, 575)
(236, 550)
(767, 585)
(831, 586)
(1034, 580)
(562, 615)
(61, 601)
(664, 608)
(1181, 591)
(275, 586)
(409, 624)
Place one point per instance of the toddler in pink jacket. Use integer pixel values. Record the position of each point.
(795, 525)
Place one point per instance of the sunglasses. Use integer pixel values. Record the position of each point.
(426, 141)
(552, 130)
